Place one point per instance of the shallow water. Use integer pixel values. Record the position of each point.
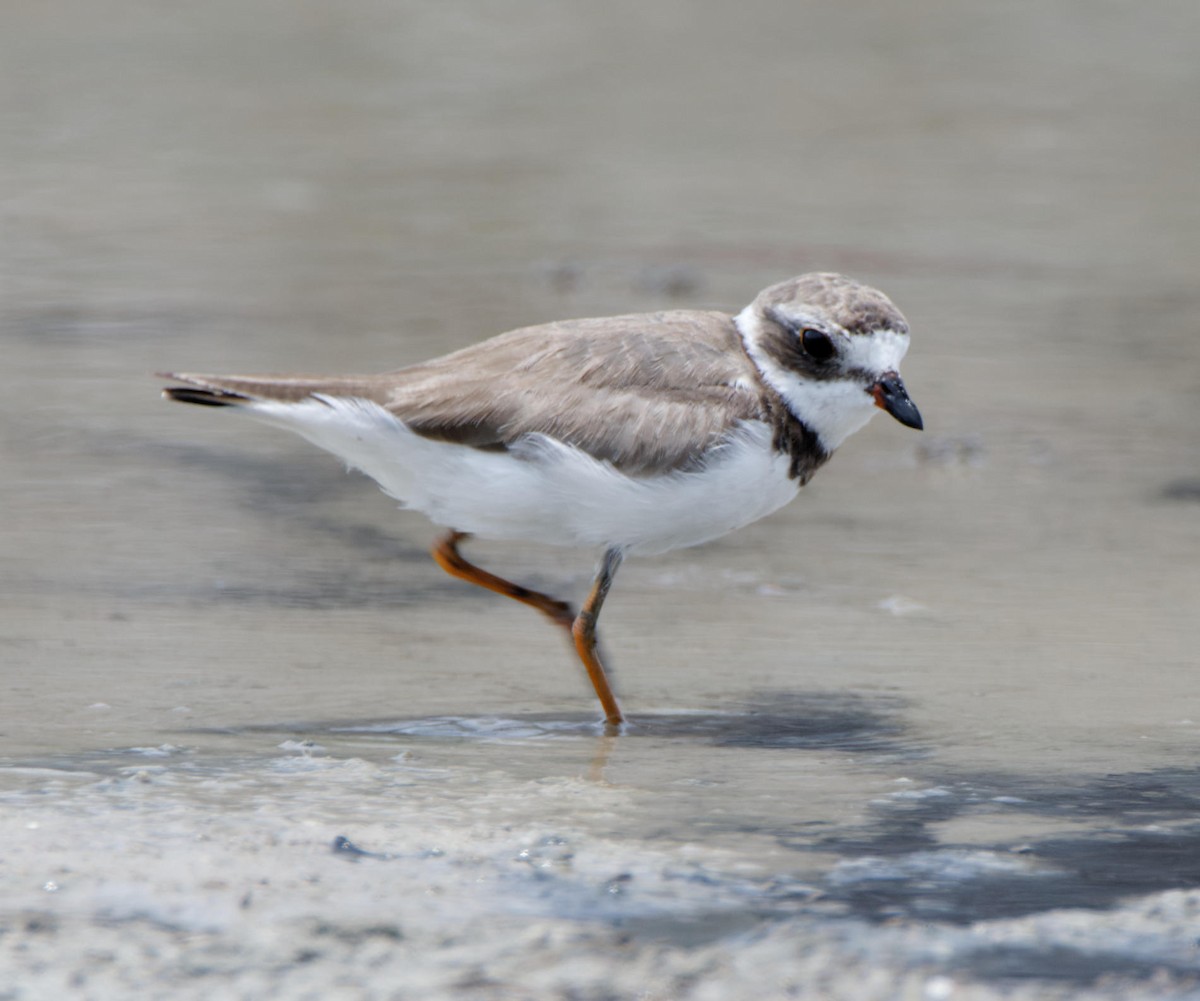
(931, 731)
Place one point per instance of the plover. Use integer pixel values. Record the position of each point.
(632, 434)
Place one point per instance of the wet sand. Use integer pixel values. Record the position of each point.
(929, 732)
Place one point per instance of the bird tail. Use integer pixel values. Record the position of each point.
(246, 390)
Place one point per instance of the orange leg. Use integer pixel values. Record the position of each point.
(583, 632)
(446, 553)
(582, 626)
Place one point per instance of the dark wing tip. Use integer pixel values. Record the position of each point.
(203, 397)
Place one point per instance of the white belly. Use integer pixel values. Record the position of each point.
(545, 491)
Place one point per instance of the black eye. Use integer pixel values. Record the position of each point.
(816, 345)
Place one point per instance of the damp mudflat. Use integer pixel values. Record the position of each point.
(929, 732)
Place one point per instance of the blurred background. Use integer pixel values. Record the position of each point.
(306, 186)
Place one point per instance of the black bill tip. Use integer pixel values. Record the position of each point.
(890, 395)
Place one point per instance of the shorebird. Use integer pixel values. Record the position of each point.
(632, 434)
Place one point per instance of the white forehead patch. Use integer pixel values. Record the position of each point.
(879, 352)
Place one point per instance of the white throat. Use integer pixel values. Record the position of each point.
(832, 409)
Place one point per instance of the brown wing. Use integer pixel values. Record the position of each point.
(643, 392)
(639, 391)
